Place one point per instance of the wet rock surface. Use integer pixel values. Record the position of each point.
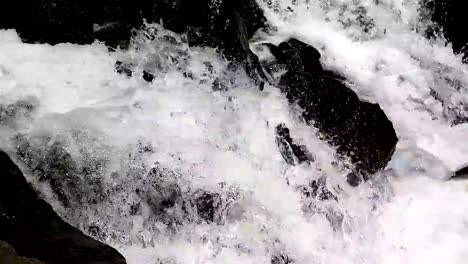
(157, 193)
(8, 256)
(226, 25)
(72, 185)
(34, 230)
(461, 173)
(292, 153)
(451, 19)
(360, 130)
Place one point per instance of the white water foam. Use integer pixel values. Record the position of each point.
(388, 61)
(223, 141)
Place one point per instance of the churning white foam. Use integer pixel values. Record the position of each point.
(223, 141)
(380, 47)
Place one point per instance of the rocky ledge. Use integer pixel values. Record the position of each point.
(30, 228)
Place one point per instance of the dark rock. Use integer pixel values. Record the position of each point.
(318, 190)
(73, 185)
(126, 69)
(292, 153)
(8, 256)
(172, 205)
(450, 17)
(58, 168)
(147, 76)
(135, 209)
(207, 204)
(281, 259)
(161, 193)
(34, 230)
(226, 24)
(353, 179)
(359, 130)
(461, 173)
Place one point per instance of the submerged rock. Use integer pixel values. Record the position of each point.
(34, 230)
(21, 109)
(359, 130)
(317, 189)
(73, 184)
(292, 153)
(172, 204)
(207, 204)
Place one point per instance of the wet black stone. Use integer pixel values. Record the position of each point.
(218, 85)
(206, 204)
(290, 151)
(58, 168)
(188, 75)
(71, 184)
(359, 130)
(147, 76)
(353, 179)
(168, 203)
(318, 190)
(462, 173)
(34, 230)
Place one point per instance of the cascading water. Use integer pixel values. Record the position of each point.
(185, 169)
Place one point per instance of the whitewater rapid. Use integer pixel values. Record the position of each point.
(223, 141)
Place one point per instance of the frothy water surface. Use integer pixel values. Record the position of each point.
(147, 159)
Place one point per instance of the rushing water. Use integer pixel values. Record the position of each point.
(202, 131)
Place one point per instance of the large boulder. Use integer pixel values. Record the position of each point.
(34, 230)
(360, 130)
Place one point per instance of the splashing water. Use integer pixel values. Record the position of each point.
(185, 169)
